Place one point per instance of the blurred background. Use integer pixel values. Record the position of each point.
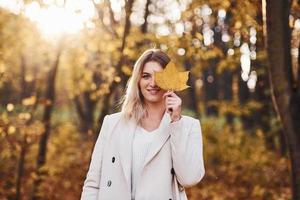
(64, 65)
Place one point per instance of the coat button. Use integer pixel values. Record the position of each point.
(172, 171)
(109, 183)
(113, 159)
(181, 188)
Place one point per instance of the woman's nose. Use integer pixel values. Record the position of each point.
(152, 82)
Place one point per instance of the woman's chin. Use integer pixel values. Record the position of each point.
(153, 99)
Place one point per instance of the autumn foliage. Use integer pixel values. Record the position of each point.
(55, 92)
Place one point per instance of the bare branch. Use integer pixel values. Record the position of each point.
(100, 16)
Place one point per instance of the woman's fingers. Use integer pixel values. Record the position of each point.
(171, 105)
(171, 97)
(169, 94)
(170, 108)
(169, 100)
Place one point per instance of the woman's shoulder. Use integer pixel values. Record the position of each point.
(189, 119)
(114, 116)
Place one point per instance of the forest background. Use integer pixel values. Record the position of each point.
(64, 65)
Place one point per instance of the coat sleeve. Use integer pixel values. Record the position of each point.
(92, 182)
(187, 151)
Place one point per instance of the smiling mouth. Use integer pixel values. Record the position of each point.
(153, 91)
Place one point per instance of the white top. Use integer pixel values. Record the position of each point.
(141, 144)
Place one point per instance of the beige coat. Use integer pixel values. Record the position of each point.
(174, 161)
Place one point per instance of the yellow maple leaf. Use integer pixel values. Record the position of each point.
(171, 79)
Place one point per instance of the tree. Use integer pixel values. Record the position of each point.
(285, 88)
(114, 84)
(49, 105)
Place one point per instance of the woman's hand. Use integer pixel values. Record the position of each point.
(173, 105)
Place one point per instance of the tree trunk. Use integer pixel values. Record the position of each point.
(21, 165)
(24, 144)
(285, 90)
(85, 109)
(114, 84)
(127, 26)
(226, 76)
(262, 117)
(24, 148)
(50, 98)
(226, 90)
(282, 143)
(210, 89)
(244, 96)
(144, 27)
(23, 83)
(192, 90)
(298, 75)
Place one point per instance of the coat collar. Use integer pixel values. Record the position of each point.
(159, 139)
(125, 131)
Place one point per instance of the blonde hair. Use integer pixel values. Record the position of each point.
(133, 106)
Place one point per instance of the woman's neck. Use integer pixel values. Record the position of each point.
(155, 111)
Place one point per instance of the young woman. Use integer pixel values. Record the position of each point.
(148, 151)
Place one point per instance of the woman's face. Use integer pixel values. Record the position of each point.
(150, 91)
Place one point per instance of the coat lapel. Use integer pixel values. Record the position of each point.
(160, 139)
(125, 132)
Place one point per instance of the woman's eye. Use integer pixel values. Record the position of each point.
(146, 76)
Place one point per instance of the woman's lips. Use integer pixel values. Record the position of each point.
(153, 91)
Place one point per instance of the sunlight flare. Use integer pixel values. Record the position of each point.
(56, 17)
